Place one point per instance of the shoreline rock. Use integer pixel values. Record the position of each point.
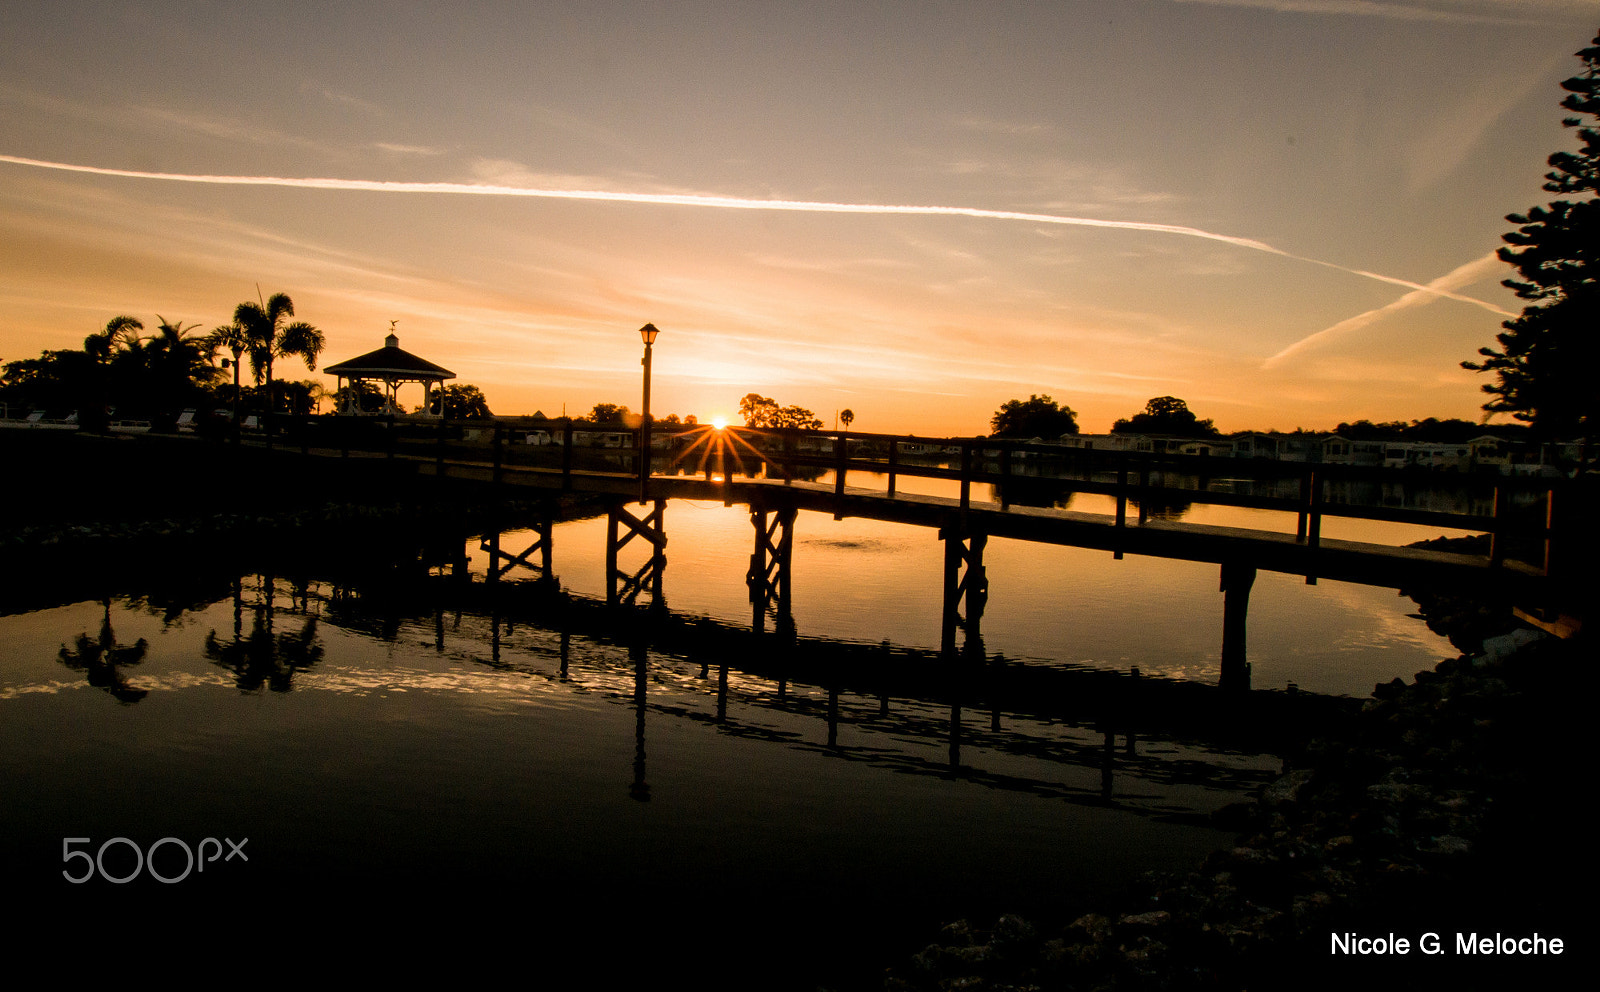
(1436, 811)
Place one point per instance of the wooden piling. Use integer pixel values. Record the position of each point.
(1237, 578)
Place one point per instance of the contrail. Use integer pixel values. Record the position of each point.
(736, 203)
(1471, 272)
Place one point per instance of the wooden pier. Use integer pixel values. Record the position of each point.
(775, 474)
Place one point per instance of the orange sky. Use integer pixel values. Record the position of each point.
(1381, 138)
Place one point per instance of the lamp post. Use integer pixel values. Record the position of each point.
(648, 333)
(233, 422)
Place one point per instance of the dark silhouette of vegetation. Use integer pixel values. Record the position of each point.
(303, 398)
(1545, 366)
(265, 659)
(58, 382)
(608, 413)
(1037, 416)
(102, 659)
(763, 412)
(463, 402)
(1166, 415)
(358, 395)
(179, 364)
(847, 417)
(1452, 431)
(272, 335)
(120, 372)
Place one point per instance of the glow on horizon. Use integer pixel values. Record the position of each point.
(1434, 289)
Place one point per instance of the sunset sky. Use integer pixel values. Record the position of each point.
(1269, 182)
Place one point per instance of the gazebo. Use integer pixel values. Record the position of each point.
(392, 365)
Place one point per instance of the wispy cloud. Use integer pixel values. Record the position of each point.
(738, 203)
(986, 125)
(1464, 275)
(397, 149)
(341, 98)
(229, 129)
(1445, 14)
(1441, 143)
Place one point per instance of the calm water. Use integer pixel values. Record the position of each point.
(867, 580)
(410, 769)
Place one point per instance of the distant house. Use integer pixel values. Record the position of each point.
(1150, 444)
(1255, 445)
(1428, 454)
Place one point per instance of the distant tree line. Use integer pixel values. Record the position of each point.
(1041, 417)
(120, 370)
(124, 373)
(1451, 431)
(613, 413)
(758, 412)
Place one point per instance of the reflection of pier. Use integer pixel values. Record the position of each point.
(901, 710)
(969, 681)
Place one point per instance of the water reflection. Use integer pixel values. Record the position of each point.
(397, 727)
(266, 657)
(1002, 724)
(103, 659)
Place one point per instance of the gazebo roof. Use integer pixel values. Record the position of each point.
(390, 362)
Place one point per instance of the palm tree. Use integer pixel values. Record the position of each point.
(232, 337)
(123, 329)
(847, 417)
(271, 335)
(180, 363)
(118, 356)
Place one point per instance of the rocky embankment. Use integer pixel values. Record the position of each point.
(1448, 808)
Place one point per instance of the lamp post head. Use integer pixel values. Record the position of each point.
(648, 332)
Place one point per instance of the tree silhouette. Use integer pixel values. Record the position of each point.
(1165, 415)
(102, 658)
(179, 365)
(265, 659)
(1037, 416)
(358, 396)
(764, 412)
(138, 375)
(465, 402)
(272, 335)
(1545, 366)
(847, 417)
(121, 330)
(607, 413)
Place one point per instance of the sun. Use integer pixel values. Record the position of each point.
(719, 422)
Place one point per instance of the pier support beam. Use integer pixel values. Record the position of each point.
(1237, 578)
(501, 561)
(964, 580)
(624, 587)
(768, 576)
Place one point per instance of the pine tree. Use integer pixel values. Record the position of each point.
(1546, 365)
